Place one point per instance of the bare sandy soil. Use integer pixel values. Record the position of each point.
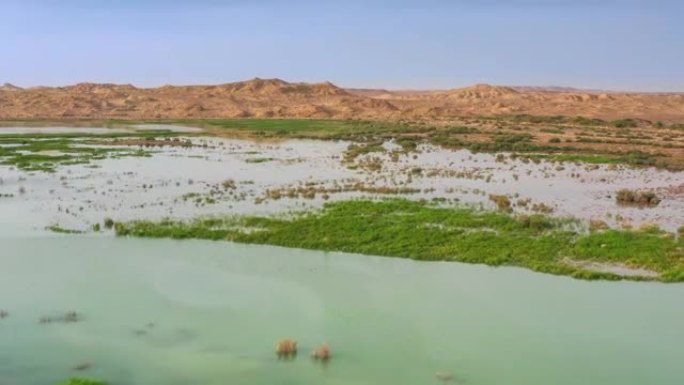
(277, 98)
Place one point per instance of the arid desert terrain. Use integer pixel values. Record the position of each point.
(262, 98)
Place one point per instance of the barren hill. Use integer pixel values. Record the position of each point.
(278, 98)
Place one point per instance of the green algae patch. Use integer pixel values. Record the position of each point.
(419, 231)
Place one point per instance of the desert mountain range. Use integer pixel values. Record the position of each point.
(262, 98)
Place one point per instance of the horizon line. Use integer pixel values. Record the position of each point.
(523, 88)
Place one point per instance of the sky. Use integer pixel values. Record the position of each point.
(395, 44)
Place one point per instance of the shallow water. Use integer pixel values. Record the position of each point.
(154, 187)
(218, 308)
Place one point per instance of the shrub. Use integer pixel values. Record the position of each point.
(228, 184)
(597, 224)
(502, 202)
(637, 198)
(542, 208)
(536, 221)
(624, 123)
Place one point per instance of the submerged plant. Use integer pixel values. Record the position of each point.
(83, 381)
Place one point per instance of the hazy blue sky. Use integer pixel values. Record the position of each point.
(628, 44)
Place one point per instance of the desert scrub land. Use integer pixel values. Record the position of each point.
(420, 231)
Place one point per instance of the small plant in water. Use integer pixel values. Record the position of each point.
(322, 353)
(286, 348)
(637, 198)
(502, 202)
(444, 377)
(228, 184)
(108, 223)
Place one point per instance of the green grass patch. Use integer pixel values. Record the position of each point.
(548, 119)
(305, 128)
(46, 152)
(408, 229)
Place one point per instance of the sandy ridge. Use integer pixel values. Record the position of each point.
(265, 98)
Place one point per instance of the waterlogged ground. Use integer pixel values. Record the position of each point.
(163, 312)
(224, 176)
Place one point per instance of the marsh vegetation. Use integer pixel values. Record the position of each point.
(415, 230)
(374, 160)
(47, 152)
(582, 139)
(642, 198)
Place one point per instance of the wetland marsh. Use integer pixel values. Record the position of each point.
(170, 311)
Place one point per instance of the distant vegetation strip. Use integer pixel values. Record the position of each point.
(509, 137)
(420, 231)
(47, 151)
(584, 140)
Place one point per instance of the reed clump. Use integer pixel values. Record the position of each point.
(643, 198)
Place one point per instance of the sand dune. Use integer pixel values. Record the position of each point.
(278, 98)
